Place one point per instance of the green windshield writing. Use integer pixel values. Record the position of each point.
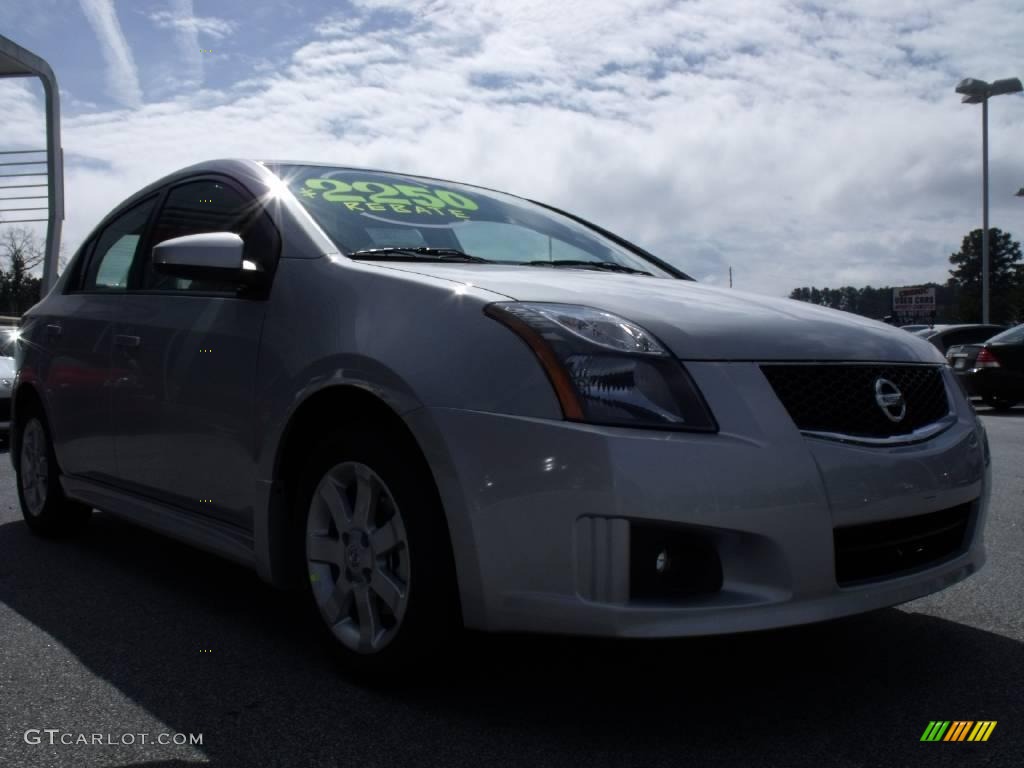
(367, 196)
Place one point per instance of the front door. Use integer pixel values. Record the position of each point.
(184, 421)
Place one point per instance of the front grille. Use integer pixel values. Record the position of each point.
(841, 398)
(881, 550)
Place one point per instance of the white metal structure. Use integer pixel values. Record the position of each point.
(16, 61)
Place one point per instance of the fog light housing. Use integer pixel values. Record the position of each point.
(663, 562)
(671, 563)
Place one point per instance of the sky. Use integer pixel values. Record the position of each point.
(800, 143)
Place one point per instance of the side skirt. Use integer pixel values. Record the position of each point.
(213, 536)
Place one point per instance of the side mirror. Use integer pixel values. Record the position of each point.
(215, 256)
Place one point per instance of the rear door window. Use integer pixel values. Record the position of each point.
(116, 250)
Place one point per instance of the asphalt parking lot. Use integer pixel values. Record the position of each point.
(124, 632)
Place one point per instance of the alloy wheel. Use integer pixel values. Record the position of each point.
(357, 553)
(34, 467)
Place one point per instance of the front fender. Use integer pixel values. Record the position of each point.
(413, 342)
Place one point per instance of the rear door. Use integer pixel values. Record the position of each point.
(77, 333)
(184, 428)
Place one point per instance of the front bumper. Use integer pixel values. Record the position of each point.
(541, 512)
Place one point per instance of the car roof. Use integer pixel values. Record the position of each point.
(249, 166)
(346, 167)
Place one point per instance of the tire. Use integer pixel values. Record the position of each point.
(47, 511)
(998, 403)
(372, 553)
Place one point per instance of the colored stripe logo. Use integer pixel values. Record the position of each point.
(958, 730)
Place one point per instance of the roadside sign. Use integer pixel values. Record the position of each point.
(913, 300)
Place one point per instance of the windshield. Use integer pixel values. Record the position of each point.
(1012, 336)
(371, 211)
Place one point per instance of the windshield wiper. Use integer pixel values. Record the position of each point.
(608, 266)
(418, 253)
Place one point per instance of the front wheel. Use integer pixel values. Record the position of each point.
(376, 555)
(47, 511)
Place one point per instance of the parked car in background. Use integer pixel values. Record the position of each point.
(929, 330)
(961, 357)
(993, 371)
(913, 328)
(428, 405)
(945, 336)
(7, 370)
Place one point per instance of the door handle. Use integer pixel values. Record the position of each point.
(53, 329)
(123, 340)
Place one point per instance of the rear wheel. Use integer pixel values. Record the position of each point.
(999, 403)
(47, 511)
(375, 552)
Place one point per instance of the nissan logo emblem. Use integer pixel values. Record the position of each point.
(890, 400)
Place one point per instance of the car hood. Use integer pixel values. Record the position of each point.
(701, 322)
(7, 368)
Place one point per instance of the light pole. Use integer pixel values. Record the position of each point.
(979, 92)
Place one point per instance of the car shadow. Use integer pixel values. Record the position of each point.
(205, 647)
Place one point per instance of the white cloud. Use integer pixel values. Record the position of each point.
(187, 28)
(184, 18)
(798, 143)
(188, 41)
(122, 75)
(24, 122)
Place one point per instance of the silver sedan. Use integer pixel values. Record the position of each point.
(429, 405)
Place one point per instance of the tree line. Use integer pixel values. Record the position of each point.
(20, 254)
(959, 299)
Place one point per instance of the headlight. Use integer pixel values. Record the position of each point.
(605, 369)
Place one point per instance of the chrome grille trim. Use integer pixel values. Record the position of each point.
(835, 400)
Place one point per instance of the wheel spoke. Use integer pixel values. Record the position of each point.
(387, 588)
(337, 605)
(323, 549)
(369, 620)
(367, 493)
(385, 538)
(331, 495)
(28, 453)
